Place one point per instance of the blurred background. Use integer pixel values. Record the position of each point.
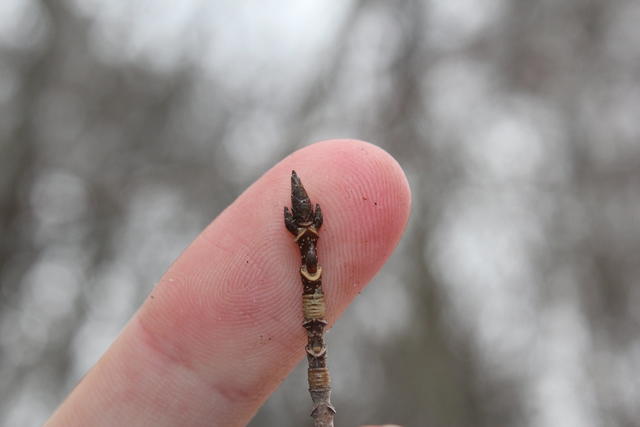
(513, 299)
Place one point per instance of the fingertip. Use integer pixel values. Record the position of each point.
(357, 166)
(366, 201)
(227, 315)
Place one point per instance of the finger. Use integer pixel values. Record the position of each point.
(223, 327)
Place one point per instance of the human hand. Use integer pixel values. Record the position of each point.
(222, 328)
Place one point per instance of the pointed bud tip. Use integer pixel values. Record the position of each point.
(295, 180)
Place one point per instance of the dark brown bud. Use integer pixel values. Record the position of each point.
(300, 203)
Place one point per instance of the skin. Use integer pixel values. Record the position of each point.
(222, 328)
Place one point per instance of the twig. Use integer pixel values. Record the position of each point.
(304, 223)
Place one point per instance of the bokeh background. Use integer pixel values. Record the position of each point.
(512, 300)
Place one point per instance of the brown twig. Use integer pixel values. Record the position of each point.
(304, 223)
